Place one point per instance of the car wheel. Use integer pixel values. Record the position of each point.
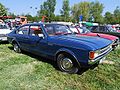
(66, 64)
(16, 48)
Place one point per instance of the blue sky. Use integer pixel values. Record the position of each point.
(23, 6)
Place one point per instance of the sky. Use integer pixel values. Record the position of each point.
(19, 7)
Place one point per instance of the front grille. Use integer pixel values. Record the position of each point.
(105, 49)
(104, 52)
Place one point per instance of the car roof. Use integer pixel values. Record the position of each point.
(54, 24)
(33, 24)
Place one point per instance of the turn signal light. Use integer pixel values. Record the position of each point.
(91, 55)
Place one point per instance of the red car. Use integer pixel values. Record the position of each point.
(83, 31)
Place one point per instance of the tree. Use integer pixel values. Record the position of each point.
(117, 15)
(29, 17)
(109, 18)
(58, 18)
(47, 9)
(65, 10)
(96, 10)
(81, 8)
(3, 10)
(11, 14)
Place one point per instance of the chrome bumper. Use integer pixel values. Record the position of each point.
(101, 57)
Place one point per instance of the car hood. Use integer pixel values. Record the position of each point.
(110, 37)
(82, 42)
(5, 31)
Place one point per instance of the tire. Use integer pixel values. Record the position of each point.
(16, 48)
(67, 64)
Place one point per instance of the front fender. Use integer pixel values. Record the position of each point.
(14, 40)
(67, 51)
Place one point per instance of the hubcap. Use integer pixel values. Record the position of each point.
(66, 64)
(16, 48)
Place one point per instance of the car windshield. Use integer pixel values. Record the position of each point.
(83, 29)
(111, 29)
(73, 29)
(3, 26)
(57, 29)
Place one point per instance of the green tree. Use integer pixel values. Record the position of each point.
(117, 15)
(81, 8)
(3, 10)
(96, 9)
(65, 10)
(47, 9)
(29, 17)
(59, 18)
(109, 18)
(12, 14)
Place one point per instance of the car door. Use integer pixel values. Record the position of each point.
(37, 40)
(22, 36)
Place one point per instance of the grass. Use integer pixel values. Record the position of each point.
(28, 72)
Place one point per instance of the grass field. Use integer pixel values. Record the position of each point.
(30, 72)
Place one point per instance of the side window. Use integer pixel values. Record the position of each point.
(61, 29)
(36, 30)
(49, 30)
(94, 28)
(101, 28)
(107, 29)
(23, 30)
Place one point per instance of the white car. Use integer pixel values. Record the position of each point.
(4, 30)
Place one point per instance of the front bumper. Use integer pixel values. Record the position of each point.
(100, 57)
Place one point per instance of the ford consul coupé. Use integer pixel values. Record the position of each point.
(57, 42)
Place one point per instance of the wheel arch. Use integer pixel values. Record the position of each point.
(14, 41)
(66, 51)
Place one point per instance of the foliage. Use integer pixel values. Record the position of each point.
(109, 18)
(58, 18)
(81, 8)
(29, 17)
(33, 18)
(117, 15)
(91, 11)
(47, 9)
(12, 14)
(96, 9)
(3, 10)
(65, 10)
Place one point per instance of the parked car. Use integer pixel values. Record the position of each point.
(86, 32)
(4, 30)
(57, 42)
(105, 30)
(118, 28)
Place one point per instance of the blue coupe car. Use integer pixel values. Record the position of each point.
(57, 42)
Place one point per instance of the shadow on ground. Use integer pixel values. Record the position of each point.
(52, 62)
(3, 42)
